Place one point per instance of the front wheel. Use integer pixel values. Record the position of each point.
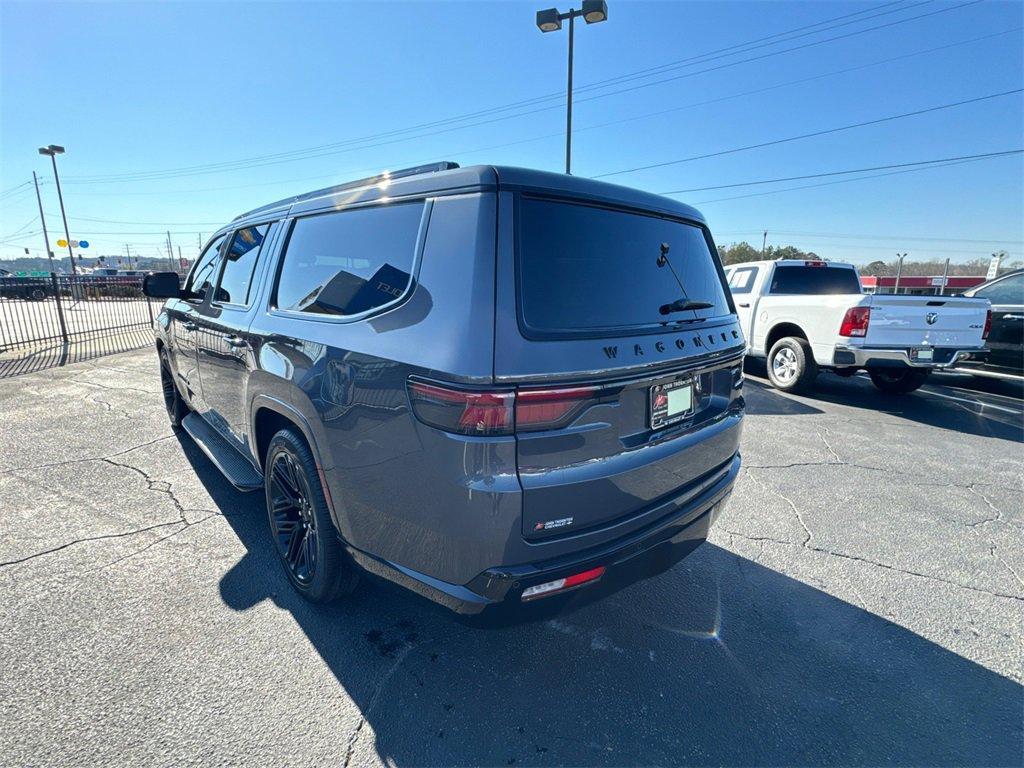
(791, 365)
(898, 381)
(300, 522)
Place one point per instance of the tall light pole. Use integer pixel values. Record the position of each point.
(53, 150)
(593, 11)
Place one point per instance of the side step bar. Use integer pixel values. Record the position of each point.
(233, 465)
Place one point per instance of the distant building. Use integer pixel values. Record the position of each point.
(918, 285)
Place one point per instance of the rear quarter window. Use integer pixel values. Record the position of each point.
(587, 270)
(349, 262)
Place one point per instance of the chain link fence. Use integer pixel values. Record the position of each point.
(57, 319)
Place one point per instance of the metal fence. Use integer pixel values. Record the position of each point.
(55, 319)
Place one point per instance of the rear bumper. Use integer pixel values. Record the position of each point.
(889, 357)
(643, 553)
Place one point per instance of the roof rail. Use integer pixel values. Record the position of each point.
(444, 165)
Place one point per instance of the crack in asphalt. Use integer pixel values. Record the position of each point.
(83, 540)
(84, 459)
(869, 561)
(364, 714)
(799, 517)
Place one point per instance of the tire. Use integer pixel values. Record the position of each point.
(301, 528)
(37, 294)
(177, 408)
(791, 366)
(898, 381)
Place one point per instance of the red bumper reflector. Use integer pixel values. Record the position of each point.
(560, 585)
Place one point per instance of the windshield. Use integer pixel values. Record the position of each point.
(584, 269)
(815, 280)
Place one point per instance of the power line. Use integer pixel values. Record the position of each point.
(842, 173)
(831, 183)
(824, 132)
(851, 236)
(328, 149)
(420, 160)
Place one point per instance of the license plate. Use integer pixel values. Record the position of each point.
(671, 403)
(922, 354)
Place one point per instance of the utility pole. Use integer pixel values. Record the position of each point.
(179, 257)
(42, 220)
(128, 253)
(945, 276)
(170, 252)
(764, 243)
(899, 271)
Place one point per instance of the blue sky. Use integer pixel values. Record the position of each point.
(136, 88)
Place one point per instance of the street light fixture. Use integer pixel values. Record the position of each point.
(53, 150)
(550, 20)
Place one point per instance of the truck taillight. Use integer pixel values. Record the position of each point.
(855, 322)
(988, 325)
(496, 412)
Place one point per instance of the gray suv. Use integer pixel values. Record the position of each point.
(490, 385)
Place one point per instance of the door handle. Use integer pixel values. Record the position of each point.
(188, 325)
(236, 341)
(745, 306)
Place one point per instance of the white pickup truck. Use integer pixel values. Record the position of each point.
(803, 316)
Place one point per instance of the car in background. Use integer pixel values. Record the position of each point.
(1006, 339)
(805, 315)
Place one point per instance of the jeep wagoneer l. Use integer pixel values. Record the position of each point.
(490, 385)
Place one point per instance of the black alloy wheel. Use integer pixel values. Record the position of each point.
(292, 520)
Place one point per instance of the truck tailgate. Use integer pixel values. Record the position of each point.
(937, 321)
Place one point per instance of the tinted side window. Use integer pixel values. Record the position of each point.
(815, 280)
(349, 262)
(239, 264)
(742, 280)
(1009, 290)
(203, 272)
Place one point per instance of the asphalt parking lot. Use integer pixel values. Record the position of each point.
(860, 602)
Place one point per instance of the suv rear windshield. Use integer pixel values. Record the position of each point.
(803, 280)
(586, 270)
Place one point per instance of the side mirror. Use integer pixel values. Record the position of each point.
(162, 285)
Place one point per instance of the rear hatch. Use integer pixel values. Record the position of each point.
(623, 402)
(936, 321)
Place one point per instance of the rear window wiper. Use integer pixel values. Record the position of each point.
(684, 305)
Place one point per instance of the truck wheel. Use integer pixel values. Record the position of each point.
(897, 381)
(791, 366)
(176, 407)
(300, 523)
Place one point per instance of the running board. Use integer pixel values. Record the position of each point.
(233, 465)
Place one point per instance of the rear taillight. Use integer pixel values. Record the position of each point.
(551, 408)
(855, 322)
(467, 412)
(484, 413)
(988, 325)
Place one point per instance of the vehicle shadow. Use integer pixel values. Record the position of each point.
(718, 661)
(991, 411)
